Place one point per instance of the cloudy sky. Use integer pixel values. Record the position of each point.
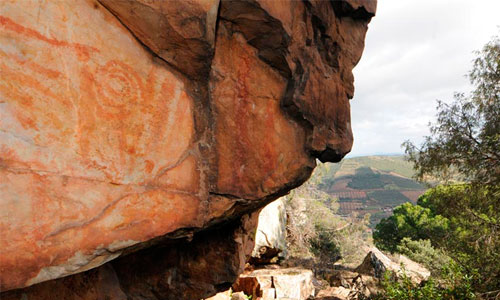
(416, 51)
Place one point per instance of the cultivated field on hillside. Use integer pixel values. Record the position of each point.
(371, 184)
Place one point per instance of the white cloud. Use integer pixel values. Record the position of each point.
(417, 51)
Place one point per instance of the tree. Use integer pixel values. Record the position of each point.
(409, 221)
(464, 147)
(449, 217)
(473, 238)
(466, 137)
(423, 252)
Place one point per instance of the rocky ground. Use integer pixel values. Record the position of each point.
(280, 281)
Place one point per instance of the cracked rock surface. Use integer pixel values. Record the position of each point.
(130, 129)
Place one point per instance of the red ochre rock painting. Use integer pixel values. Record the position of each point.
(86, 140)
(141, 137)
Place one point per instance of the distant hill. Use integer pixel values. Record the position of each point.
(371, 184)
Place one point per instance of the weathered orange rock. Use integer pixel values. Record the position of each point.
(93, 130)
(211, 261)
(315, 45)
(259, 149)
(183, 34)
(128, 124)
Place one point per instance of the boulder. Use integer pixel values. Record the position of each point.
(345, 284)
(351, 288)
(294, 285)
(340, 277)
(239, 296)
(270, 238)
(138, 137)
(376, 264)
(334, 293)
(249, 285)
(287, 283)
(226, 295)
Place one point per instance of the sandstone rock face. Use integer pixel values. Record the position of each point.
(131, 124)
(194, 269)
(182, 34)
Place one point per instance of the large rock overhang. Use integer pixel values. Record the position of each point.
(126, 124)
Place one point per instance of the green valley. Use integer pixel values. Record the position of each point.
(370, 184)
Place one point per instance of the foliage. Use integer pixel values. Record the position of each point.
(377, 217)
(463, 219)
(324, 246)
(409, 221)
(313, 229)
(443, 216)
(309, 212)
(354, 240)
(423, 252)
(403, 288)
(474, 239)
(466, 137)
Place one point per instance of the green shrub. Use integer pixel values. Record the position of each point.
(403, 288)
(409, 221)
(324, 246)
(422, 252)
